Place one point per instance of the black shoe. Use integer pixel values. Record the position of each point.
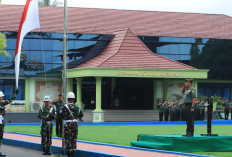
(1, 154)
(44, 151)
(48, 151)
(189, 135)
(185, 135)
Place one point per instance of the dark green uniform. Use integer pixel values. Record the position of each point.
(172, 112)
(226, 106)
(166, 111)
(178, 107)
(197, 111)
(189, 94)
(161, 112)
(58, 105)
(230, 110)
(202, 111)
(3, 103)
(182, 112)
(47, 114)
(70, 113)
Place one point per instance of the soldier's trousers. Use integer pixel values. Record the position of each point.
(70, 135)
(226, 113)
(178, 115)
(46, 135)
(59, 127)
(166, 115)
(171, 116)
(202, 114)
(189, 116)
(161, 115)
(1, 132)
(197, 114)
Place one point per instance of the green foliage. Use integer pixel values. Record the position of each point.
(3, 45)
(50, 3)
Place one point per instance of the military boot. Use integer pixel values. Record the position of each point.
(48, 151)
(44, 151)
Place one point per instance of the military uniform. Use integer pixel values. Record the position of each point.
(178, 112)
(182, 115)
(58, 105)
(166, 111)
(161, 111)
(47, 114)
(197, 111)
(202, 115)
(226, 106)
(3, 103)
(172, 112)
(70, 113)
(189, 94)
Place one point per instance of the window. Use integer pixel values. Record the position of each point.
(7, 86)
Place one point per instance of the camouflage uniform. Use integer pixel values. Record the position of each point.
(47, 114)
(70, 113)
(3, 103)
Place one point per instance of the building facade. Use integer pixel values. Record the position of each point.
(137, 87)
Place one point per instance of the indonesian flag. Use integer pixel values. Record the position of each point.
(29, 21)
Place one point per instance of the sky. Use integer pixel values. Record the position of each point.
(192, 6)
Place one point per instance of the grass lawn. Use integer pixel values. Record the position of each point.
(122, 135)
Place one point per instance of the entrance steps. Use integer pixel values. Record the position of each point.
(125, 115)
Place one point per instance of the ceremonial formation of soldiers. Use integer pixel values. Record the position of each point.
(174, 110)
(227, 108)
(68, 113)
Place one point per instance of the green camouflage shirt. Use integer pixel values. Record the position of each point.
(189, 94)
(161, 108)
(44, 113)
(71, 112)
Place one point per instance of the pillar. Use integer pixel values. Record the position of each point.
(70, 85)
(79, 92)
(98, 113)
(27, 94)
(195, 86)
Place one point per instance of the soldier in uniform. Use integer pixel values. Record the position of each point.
(202, 105)
(47, 114)
(3, 103)
(70, 113)
(166, 111)
(178, 107)
(189, 102)
(58, 102)
(182, 116)
(197, 110)
(161, 111)
(226, 106)
(172, 110)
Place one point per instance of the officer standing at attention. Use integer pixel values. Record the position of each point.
(47, 114)
(161, 111)
(3, 103)
(70, 113)
(226, 106)
(58, 102)
(172, 110)
(189, 102)
(166, 111)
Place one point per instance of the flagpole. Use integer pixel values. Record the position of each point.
(64, 68)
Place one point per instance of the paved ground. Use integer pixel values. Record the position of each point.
(92, 147)
(11, 151)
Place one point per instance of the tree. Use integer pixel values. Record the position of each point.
(50, 3)
(3, 45)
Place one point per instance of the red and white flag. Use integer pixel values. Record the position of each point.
(29, 21)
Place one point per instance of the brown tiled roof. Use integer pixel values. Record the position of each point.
(106, 21)
(126, 50)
